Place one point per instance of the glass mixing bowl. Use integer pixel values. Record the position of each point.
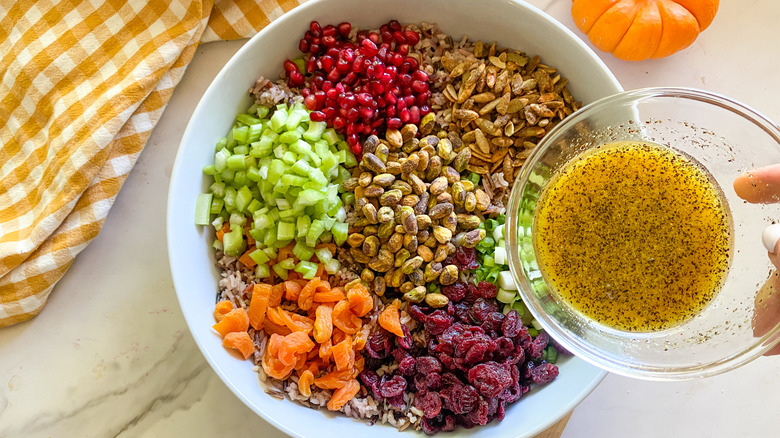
(724, 136)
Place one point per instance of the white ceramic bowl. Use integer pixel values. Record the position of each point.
(512, 24)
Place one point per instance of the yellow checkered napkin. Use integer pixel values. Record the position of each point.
(82, 85)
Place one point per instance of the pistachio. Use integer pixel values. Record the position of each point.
(467, 185)
(355, 239)
(442, 234)
(444, 198)
(418, 186)
(410, 265)
(436, 300)
(423, 235)
(449, 275)
(483, 201)
(390, 198)
(350, 184)
(410, 200)
(410, 243)
(425, 158)
(369, 146)
(427, 123)
(382, 152)
(472, 238)
(434, 168)
(417, 277)
(423, 222)
(429, 140)
(410, 145)
(471, 202)
(451, 174)
(468, 222)
(440, 210)
(374, 191)
(364, 180)
(358, 256)
(394, 138)
(439, 185)
(445, 150)
(450, 222)
(441, 253)
(415, 295)
(386, 230)
(408, 131)
(425, 252)
(422, 205)
(371, 246)
(454, 138)
(404, 187)
(379, 286)
(432, 271)
(395, 243)
(370, 230)
(384, 179)
(369, 212)
(406, 287)
(394, 168)
(385, 215)
(367, 275)
(410, 164)
(372, 163)
(458, 194)
(430, 242)
(401, 256)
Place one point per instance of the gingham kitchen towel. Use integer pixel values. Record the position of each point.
(83, 84)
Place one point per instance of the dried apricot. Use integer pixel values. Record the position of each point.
(344, 394)
(234, 321)
(240, 341)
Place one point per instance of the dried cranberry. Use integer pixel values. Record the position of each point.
(429, 426)
(481, 310)
(477, 353)
(417, 313)
(479, 415)
(392, 387)
(406, 342)
(538, 345)
(464, 399)
(399, 354)
(430, 404)
(512, 393)
(543, 373)
(490, 378)
(486, 290)
(505, 349)
(368, 377)
(433, 381)
(511, 325)
(465, 258)
(437, 322)
(455, 292)
(407, 366)
(428, 365)
(397, 402)
(378, 344)
(462, 312)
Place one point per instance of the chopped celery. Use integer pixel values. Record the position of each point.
(286, 231)
(262, 222)
(247, 119)
(340, 232)
(259, 256)
(332, 266)
(238, 219)
(302, 225)
(217, 205)
(233, 241)
(308, 270)
(278, 119)
(203, 209)
(280, 271)
(294, 119)
(262, 271)
(315, 230)
(302, 251)
(209, 169)
(323, 255)
(288, 263)
(218, 189)
(270, 252)
(220, 159)
(289, 137)
(315, 131)
(310, 197)
(242, 150)
(330, 136)
(243, 198)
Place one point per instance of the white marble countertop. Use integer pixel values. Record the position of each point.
(110, 355)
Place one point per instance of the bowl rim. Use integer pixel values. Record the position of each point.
(598, 357)
(200, 111)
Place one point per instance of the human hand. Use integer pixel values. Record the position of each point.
(763, 186)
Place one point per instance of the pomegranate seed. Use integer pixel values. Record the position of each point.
(377, 123)
(333, 52)
(348, 55)
(366, 113)
(366, 129)
(311, 65)
(390, 98)
(391, 112)
(394, 25)
(405, 116)
(403, 49)
(424, 109)
(423, 98)
(399, 37)
(405, 80)
(364, 99)
(320, 98)
(315, 28)
(351, 129)
(317, 116)
(356, 148)
(406, 91)
(379, 69)
(289, 66)
(401, 104)
(352, 138)
(376, 87)
(310, 102)
(344, 29)
(340, 88)
(352, 114)
(329, 30)
(397, 59)
(394, 123)
(370, 71)
(348, 101)
(314, 48)
(303, 45)
(328, 41)
(382, 54)
(334, 75)
(339, 123)
(297, 78)
(419, 86)
(420, 75)
(392, 71)
(342, 112)
(361, 35)
(415, 115)
(350, 78)
(327, 63)
(332, 93)
(374, 37)
(369, 47)
(343, 66)
(413, 64)
(306, 92)
(412, 37)
(387, 37)
(329, 113)
(327, 85)
(409, 99)
(396, 90)
(385, 79)
(308, 36)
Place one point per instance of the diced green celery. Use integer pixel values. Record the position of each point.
(350, 160)
(233, 241)
(270, 252)
(221, 143)
(474, 178)
(243, 150)
(262, 148)
(340, 232)
(281, 243)
(209, 170)
(302, 251)
(241, 134)
(243, 198)
(341, 215)
(237, 219)
(329, 163)
(293, 180)
(217, 205)
(262, 111)
(303, 225)
(262, 222)
(328, 222)
(289, 137)
(262, 271)
(301, 167)
(274, 214)
(323, 255)
(315, 230)
(315, 131)
(259, 256)
(228, 175)
(230, 199)
(280, 271)
(294, 119)
(310, 197)
(240, 179)
(253, 206)
(255, 131)
(289, 158)
(203, 209)
(317, 176)
(332, 266)
(253, 174)
(331, 136)
(342, 156)
(218, 189)
(283, 204)
(308, 270)
(505, 296)
(285, 231)
(217, 245)
(220, 159)
(348, 198)
(291, 213)
(288, 263)
(278, 119)
(275, 171)
(247, 119)
(217, 222)
(258, 235)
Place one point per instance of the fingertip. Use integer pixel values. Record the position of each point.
(771, 238)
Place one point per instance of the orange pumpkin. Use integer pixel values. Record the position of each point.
(635, 30)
